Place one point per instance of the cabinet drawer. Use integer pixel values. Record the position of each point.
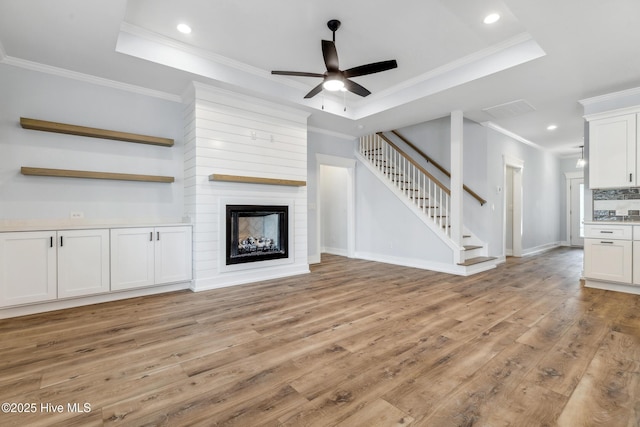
(617, 232)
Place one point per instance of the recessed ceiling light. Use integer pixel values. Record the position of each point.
(184, 28)
(491, 18)
(552, 127)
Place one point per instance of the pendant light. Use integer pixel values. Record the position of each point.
(581, 161)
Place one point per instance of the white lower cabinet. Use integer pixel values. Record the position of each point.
(46, 265)
(27, 267)
(83, 262)
(608, 259)
(150, 256)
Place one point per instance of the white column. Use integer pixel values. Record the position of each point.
(457, 122)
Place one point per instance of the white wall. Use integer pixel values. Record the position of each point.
(42, 96)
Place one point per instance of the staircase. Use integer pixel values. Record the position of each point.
(427, 197)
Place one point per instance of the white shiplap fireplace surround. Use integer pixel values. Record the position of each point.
(232, 134)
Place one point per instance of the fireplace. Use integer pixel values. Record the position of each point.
(256, 233)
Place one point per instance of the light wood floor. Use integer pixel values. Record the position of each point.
(354, 343)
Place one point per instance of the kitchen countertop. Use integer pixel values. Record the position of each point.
(64, 225)
(612, 222)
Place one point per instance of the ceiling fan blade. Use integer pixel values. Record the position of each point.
(330, 55)
(316, 90)
(375, 67)
(297, 73)
(354, 87)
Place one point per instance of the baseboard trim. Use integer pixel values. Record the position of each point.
(542, 248)
(43, 307)
(227, 280)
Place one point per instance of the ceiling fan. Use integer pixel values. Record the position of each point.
(335, 79)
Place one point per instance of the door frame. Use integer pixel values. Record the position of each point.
(569, 176)
(350, 166)
(518, 165)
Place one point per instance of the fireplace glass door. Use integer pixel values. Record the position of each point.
(256, 233)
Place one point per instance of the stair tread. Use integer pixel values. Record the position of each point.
(471, 247)
(476, 260)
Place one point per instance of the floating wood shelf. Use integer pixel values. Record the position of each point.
(65, 173)
(93, 132)
(256, 180)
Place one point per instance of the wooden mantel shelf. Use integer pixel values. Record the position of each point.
(93, 132)
(256, 180)
(65, 173)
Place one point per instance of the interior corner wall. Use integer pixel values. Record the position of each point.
(37, 95)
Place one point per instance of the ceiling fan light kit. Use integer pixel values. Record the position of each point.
(335, 79)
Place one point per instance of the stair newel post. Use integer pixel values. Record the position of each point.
(457, 125)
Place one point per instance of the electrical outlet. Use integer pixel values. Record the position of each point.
(76, 215)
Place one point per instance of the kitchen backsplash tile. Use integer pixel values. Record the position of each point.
(618, 204)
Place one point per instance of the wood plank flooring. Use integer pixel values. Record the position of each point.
(354, 343)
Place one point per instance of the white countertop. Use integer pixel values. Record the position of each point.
(13, 226)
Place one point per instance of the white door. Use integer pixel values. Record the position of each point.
(83, 262)
(576, 212)
(172, 254)
(132, 258)
(27, 267)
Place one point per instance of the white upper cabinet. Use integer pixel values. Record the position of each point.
(613, 152)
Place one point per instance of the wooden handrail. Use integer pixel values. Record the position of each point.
(414, 163)
(438, 166)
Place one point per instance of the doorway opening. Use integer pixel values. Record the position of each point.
(575, 209)
(512, 224)
(336, 206)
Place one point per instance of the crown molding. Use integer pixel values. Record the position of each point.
(86, 78)
(513, 135)
(331, 133)
(610, 96)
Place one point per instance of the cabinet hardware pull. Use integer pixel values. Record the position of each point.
(630, 177)
(608, 243)
(606, 232)
(151, 236)
(158, 236)
(51, 241)
(61, 244)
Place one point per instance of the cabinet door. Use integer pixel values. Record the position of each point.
(636, 263)
(612, 152)
(27, 267)
(83, 262)
(173, 254)
(609, 260)
(132, 256)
